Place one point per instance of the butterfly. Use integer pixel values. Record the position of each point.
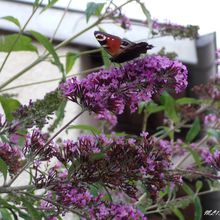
(121, 50)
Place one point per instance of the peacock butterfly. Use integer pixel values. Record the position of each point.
(121, 50)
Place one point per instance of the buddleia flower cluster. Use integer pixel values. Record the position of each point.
(175, 30)
(118, 163)
(108, 92)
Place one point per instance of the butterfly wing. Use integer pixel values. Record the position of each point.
(121, 50)
(131, 52)
(112, 44)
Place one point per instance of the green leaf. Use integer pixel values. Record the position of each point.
(23, 43)
(13, 208)
(12, 20)
(199, 185)
(104, 54)
(95, 189)
(97, 156)
(24, 215)
(34, 214)
(213, 133)
(5, 214)
(36, 3)
(196, 200)
(178, 213)
(9, 105)
(196, 157)
(4, 138)
(93, 9)
(70, 61)
(186, 100)
(75, 163)
(148, 16)
(170, 106)
(49, 5)
(105, 58)
(150, 107)
(188, 190)
(3, 168)
(22, 136)
(193, 131)
(49, 46)
(90, 128)
(60, 113)
(198, 209)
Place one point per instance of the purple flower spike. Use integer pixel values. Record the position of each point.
(108, 92)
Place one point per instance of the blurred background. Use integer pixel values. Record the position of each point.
(198, 54)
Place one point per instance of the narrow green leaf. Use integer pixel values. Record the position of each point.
(93, 9)
(3, 168)
(188, 190)
(14, 209)
(90, 128)
(23, 43)
(4, 138)
(141, 107)
(153, 107)
(105, 58)
(187, 100)
(36, 3)
(198, 209)
(117, 134)
(49, 5)
(178, 213)
(35, 215)
(95, 189)
(170, 106)
(60, 113)
(9, 105)
(12, 20)
(104, 54)
(24, 215)
(70, 61)
(193, 131)
(5, 214)
(22, 136)
(97, 156)
(49, 46)
(199, 185)
(75, 163)
(213, 133)
(196, 157)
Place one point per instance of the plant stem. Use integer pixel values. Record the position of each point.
(38, 60)
(203, 140)
(16, 188)
(195, 172)
(65, 42)
(18, 37)
(82, 53)
(155, 206)
(53, 203)
(61, 20)
(51, 80)
(144, 125)
(63, 128)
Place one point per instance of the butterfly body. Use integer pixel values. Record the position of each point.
(121, 50)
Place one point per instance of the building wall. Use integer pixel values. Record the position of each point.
(43, 71)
